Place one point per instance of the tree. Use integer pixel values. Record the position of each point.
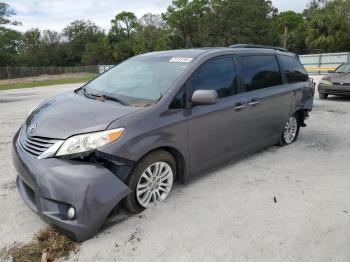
(322, 27)
(185, 17)
(152, 20)
(125, 21)
(329, 27)
(151, 34)
(287, 22)
(239, 21)
(97, 53)
(121, 37)
(5, 13)
(10, 41)
(78, 34)
(31, 42)
(51, 38)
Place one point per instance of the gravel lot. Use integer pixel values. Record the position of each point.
(226, 215)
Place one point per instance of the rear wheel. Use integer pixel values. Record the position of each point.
(291, 130)
(323, 96)
(151, 181)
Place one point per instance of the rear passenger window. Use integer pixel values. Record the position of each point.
(260, 71)
(295, 72)
(218, 74)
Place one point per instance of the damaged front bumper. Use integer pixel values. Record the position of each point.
(51, 186)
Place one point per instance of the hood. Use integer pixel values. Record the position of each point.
(338, 78)
(68, 114)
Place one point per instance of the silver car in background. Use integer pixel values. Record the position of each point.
(337, 83)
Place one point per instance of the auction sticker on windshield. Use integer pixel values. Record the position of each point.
(180, 60)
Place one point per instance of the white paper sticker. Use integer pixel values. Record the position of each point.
(180, 60)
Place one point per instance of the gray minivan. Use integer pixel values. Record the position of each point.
(124, 138)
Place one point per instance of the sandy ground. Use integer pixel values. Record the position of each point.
(226, 215)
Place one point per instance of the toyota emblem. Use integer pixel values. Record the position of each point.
(32, 128)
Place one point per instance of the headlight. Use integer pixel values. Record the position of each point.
(88, 142)
(325, 82)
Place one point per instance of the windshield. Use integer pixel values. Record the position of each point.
(139, 81)
(344, 68)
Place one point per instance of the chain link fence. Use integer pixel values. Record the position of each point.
(36, 74)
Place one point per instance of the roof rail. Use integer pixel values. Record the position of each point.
(259, 46)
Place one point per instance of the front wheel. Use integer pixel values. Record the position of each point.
(290, 131)
(151, 181)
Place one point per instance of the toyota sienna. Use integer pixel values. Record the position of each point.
(125, 137)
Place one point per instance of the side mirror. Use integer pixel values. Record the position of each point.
(330, 71)
(204, 97)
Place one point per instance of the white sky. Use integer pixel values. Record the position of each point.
(56, 14)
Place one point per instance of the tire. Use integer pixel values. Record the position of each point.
(146, 171)
(290, 131)
(323, 96)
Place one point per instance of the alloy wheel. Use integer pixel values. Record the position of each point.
(290, 130)
(154, 184)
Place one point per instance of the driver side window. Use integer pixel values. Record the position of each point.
(218, 74)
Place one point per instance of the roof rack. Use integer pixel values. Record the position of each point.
(259, 46)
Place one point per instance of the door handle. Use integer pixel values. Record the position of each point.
(239, 106)
(254, 103)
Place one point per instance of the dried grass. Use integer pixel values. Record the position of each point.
(47, 245)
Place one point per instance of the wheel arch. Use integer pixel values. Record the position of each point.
(302, 114)
(181, 168)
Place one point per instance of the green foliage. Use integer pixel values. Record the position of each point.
(329, 27)
(290, 19)
(80, 33)
(185, 24)
(125, 23)
(240, 21)
(121, 37)
(184, 18)
(289, 28)
(97, 53)
(9, 42)
(42, 48)
(151, 35)
(5, 13)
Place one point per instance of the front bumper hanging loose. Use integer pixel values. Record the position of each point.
(51, 186)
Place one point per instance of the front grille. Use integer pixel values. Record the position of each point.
(34, 145)
(340, 84)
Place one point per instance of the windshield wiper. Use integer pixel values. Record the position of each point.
(87, 94)
(116, 99)
(104, 97)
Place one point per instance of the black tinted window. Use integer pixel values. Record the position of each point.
(260, 72)
(295, 72)
(179, 100)
(218, 74)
